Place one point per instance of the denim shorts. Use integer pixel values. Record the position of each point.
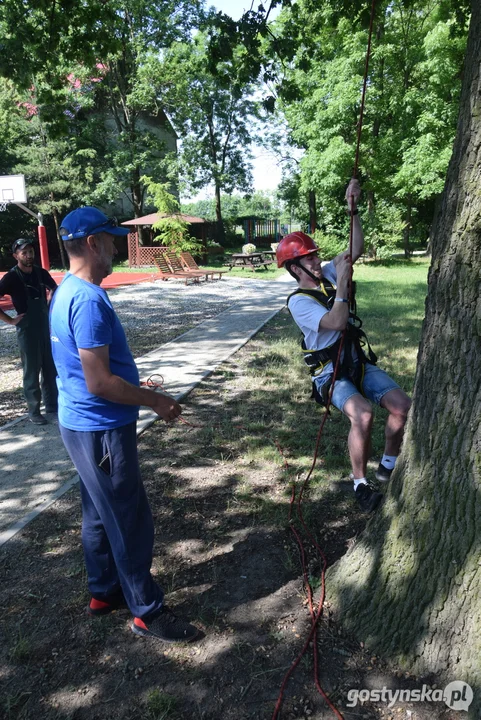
(375, 385)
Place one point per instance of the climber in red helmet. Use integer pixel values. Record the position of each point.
(323, 310)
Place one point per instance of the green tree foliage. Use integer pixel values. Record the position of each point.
(38, 35)
(129, 95)
(58, 169)
(11, 115)
(104, 73)
(410, 116)
(172, 230)
(295, 201)
(57, 172)
(214, 114)
(264, 205)
(105, 82)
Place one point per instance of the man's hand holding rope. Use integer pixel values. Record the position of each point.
(353, 194)
(166, 407)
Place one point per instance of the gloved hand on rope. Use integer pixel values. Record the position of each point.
(353, 194)
(356, 237)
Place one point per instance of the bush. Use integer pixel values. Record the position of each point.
(329, 245)
(232, 237)
(248, 248)
(383, 230)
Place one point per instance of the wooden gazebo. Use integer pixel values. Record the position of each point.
(140, 255)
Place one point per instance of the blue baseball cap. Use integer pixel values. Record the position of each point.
(89, 221)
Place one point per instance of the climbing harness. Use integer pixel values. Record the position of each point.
(357, 350)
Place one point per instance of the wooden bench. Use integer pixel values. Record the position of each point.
(166, 272)
(189, 263)
(254, 261)
(176, 266)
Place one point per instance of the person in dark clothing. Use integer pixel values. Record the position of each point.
(31, 288)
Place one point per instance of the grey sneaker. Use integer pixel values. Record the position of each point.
(383, 474)
(167, 627)
(38, 419)
(368, 499)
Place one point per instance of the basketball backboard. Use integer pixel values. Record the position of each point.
(12, 189)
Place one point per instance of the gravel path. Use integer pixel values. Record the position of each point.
(151, 313)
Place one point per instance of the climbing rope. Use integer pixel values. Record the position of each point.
(316, 612)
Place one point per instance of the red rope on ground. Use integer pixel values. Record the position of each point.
(157, 381)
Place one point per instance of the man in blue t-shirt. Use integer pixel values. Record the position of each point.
(99, 398)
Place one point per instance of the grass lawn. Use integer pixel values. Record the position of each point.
(269, 273)
(224, 551)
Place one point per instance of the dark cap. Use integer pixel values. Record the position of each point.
(89, 221)
(20, 243)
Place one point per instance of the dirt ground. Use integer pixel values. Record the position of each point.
(227, 560)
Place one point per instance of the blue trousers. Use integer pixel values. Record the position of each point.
(117, 525)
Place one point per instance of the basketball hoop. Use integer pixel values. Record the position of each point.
(12, 191)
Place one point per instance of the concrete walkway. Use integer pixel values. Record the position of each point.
(34, 467)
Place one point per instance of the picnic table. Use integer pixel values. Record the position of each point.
(251, 260)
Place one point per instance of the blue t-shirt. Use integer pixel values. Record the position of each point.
(82, 316)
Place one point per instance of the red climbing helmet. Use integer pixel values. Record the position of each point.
(294, 245)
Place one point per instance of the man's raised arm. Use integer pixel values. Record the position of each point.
(353, 193)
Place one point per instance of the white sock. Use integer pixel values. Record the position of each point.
(359, 481)
(389, 461)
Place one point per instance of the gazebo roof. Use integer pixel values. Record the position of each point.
(154, 217)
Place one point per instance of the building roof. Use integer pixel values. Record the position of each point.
(154, 217)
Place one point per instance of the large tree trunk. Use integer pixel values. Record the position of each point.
(63, 255)
(312, 212)
(407, 230)
(220, 235)
(138, 202)
(411, 586)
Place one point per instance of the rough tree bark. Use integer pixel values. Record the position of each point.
(411, 586)
(63, 254)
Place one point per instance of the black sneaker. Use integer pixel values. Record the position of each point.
(368, 499)
(97, 608)
(167, 627)
(383, 474)
(37, 419)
